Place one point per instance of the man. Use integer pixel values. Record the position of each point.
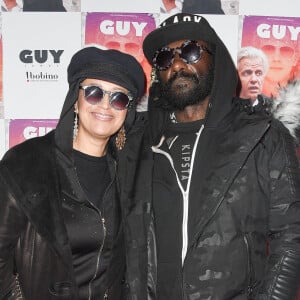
(217, 189)
(252, 65)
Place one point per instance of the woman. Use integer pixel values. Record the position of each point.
(61, 233)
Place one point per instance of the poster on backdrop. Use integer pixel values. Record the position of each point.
(21, 129)
(124, 32)
(279, 39)
(149, 6)
(38, 48)
(288, 8)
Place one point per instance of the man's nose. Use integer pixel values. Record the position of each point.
(253, 77)
(178, 63)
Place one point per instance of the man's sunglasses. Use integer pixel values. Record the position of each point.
(93, 94)
(285, 52)
(190, 52)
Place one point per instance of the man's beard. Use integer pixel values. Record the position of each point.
(176, 98)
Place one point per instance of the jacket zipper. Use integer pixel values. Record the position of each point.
(19, 294)
(102, 245)
(105, 295)
(249, 265)
(98, 257)
(185, 193)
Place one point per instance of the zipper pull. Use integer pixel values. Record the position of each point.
(105, 296)
(103, 223)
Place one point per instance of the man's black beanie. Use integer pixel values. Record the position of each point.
(109, 65)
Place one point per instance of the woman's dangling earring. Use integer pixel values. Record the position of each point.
(153, 78)
(121, 138)
(75, 127)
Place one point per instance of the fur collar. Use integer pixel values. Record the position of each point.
(286, 108)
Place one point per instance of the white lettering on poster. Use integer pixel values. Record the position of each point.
(278, 32)
(122, 28)
(31, 131)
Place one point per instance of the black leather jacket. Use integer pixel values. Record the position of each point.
(35, 255)
(35, 178)
(246, 244)
(244, 199)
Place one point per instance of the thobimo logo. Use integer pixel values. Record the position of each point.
(42, 61)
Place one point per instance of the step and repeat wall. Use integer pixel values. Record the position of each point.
(37, 44)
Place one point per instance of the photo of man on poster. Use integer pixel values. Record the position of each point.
(278, 38)
(252, 66)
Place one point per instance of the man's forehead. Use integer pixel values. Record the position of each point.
(179, 42)
(253, 62)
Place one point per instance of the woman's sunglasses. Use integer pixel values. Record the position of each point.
(190, 52)
(93, 94)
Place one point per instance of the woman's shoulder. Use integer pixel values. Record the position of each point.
(29, 154)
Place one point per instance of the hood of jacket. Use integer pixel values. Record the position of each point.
(223, 89)
(64, 128)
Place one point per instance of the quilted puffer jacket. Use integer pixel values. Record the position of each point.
(244, 198)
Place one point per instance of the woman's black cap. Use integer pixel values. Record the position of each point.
(109, 65)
